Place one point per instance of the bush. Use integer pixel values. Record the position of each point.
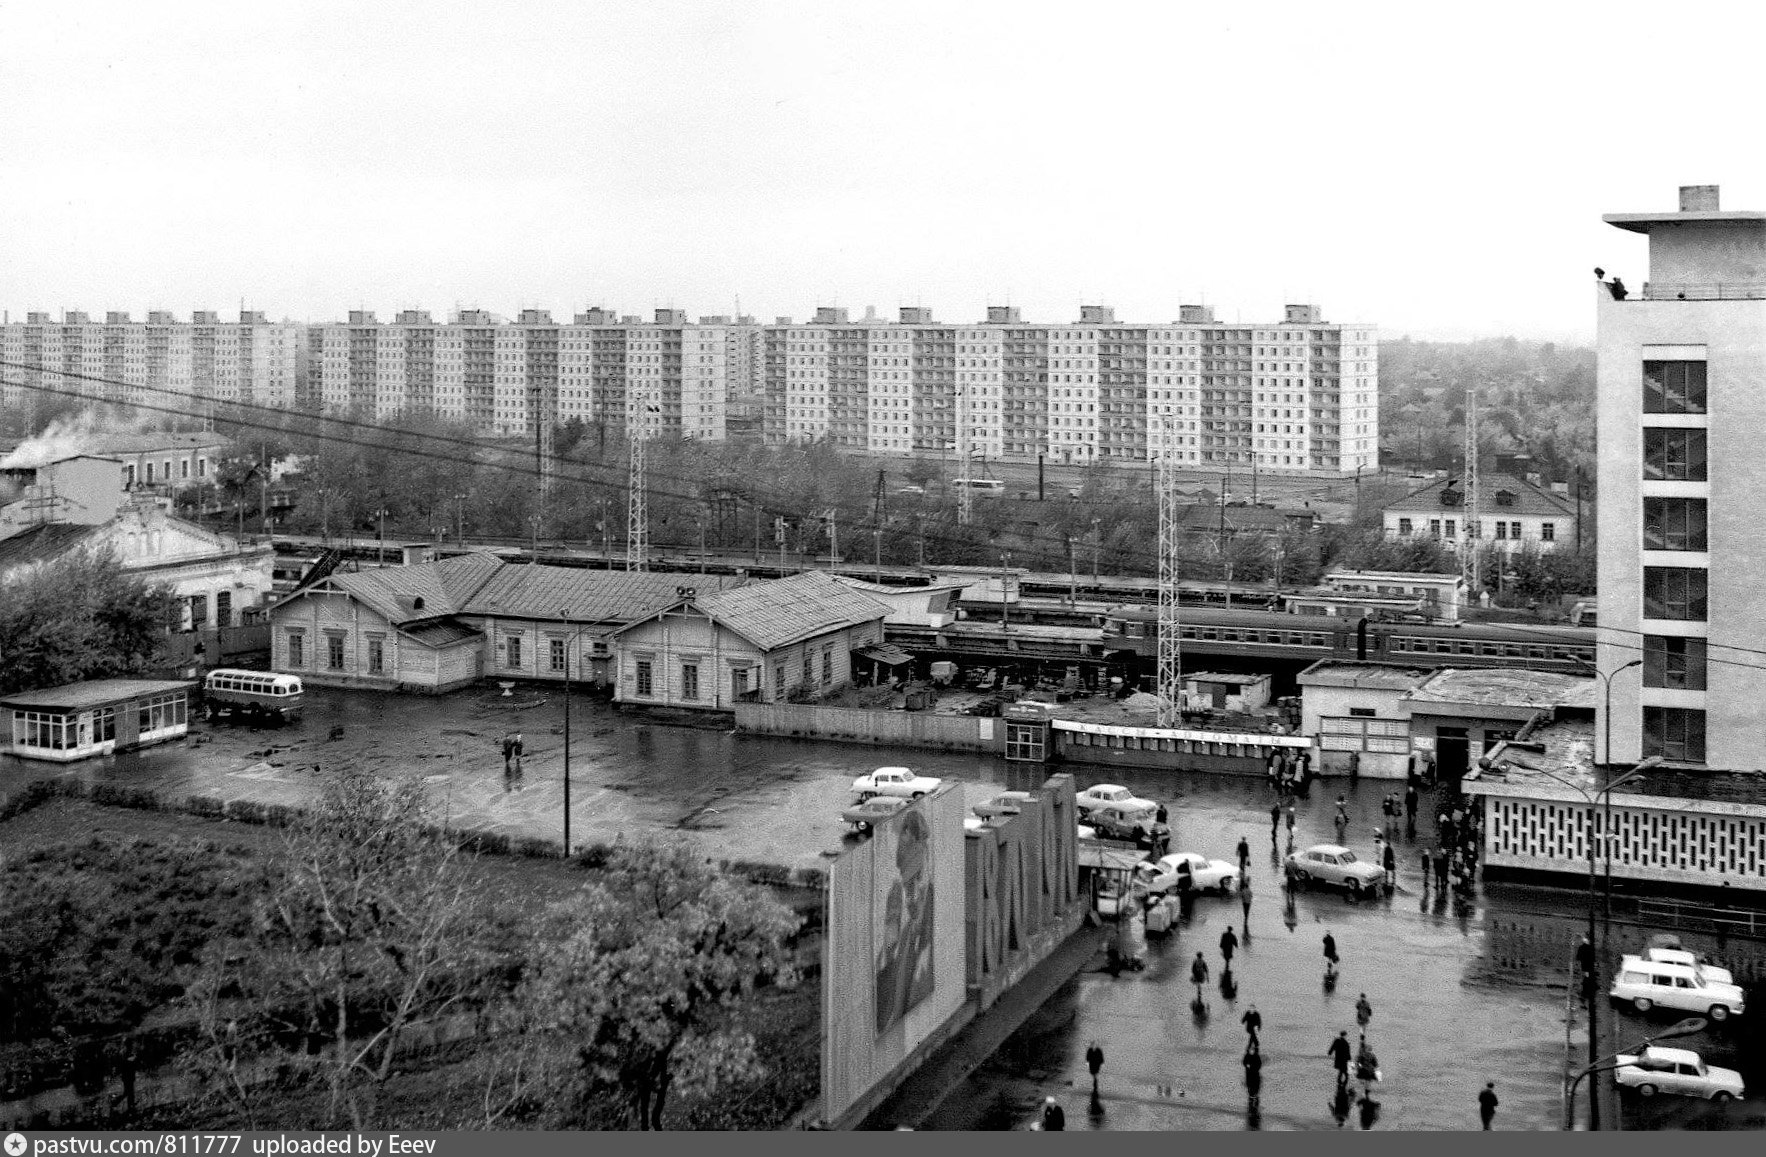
(206, 806)
(33, 794)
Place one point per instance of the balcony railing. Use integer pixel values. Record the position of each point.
(1704, 291)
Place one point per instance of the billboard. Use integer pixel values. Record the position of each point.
(904, 932)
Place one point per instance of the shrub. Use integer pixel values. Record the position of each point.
(206, 806)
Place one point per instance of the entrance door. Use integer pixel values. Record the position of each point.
(1451, 745)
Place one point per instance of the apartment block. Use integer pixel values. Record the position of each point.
(1298, 394)
(159, 362)
(1682, 400)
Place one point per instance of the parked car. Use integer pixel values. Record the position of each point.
(1006, 803)
(898, 781)
(1132, 824)
(1335, 865)
(1682, 1071)
(1648, 983)
(1667, 949)
(1205, 875)
(1109, 795)
(863, 815)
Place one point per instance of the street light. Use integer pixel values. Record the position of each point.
(569, 645)
(1685, 1028)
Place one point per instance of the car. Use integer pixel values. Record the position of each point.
(1135, 825)
(863, 815)
(1006, 803)
(1205, 875)
(897, 781)
(1671, 953)
(1659, 1070)
(1109, 795)
(1335, 865)
(1649, 983)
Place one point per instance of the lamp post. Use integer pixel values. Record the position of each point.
(1685, 1028)
(569, 645)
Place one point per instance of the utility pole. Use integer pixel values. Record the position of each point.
(702, 544)
(1169, 684)
(833, 538)
(1469, 568)
(460, 521)
(1578, 510)
(779, 537)
(1039, 494)
(965, 494)
(1097, 543)
(637, 483)
(1005, 594)
(264, 490)
(1072, 575)
(380, 543)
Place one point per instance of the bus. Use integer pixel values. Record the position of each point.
(989, 486)
(253, 694)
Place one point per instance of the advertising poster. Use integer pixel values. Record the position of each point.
(904, 913)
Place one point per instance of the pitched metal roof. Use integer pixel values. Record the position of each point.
(443, 586)
(778, 613)
(579, 595)
(442, 634)
(1529, 499)
(43, 543)
(94, 693)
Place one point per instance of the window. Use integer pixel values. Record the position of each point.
(1673, 455)
(512, 651)
(104, 725)
(1673, 523)
(198, 612)
(1501, 530)
(1674, 592)
(1434, 528)
(376, 658)
(689, 680)
(1673, 387)
(556, 649)
(1451, 524)
(224, 608)
(779, 681)
(1674, 733)
(644, 680)
(739, 682)
(827, 665)
(1514, 531)
(334, 652)
(1404, 526)
(1674, 661)
(160, 712)
(297, 647)
(808, 668)
(1548, 532)
(1362, 712)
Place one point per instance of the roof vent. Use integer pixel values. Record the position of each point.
(1698, 198)
(417, 603)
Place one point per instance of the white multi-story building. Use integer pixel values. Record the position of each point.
(161, 362)
(1681, 363)
(1299, 394)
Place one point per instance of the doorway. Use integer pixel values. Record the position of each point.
(1451, 746)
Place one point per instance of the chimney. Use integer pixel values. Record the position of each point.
(1698, 198)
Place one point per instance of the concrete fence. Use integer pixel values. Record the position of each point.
(855, 725)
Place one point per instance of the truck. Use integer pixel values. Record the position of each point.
(896, 781)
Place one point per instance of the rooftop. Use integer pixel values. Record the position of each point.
(1563, 750)
(1507, 687)
(42, 543)
(95, 693)
(579, 595)
(1372, 676)
(784, 611)
(1528, 498)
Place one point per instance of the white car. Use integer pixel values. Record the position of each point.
(1110, 795)
(1660, 1070)
(898, 781)
(1006, 803)
(1648, 983)
(1711, 973)
(1205, 875)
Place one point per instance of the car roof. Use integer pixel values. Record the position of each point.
(1333, 849)
(1678, 1056)
(1106, 787)
(902, 770)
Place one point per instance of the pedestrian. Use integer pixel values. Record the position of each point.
(1272, 765)
(1487, 1104)
(1386, 804)
(1304, 766)
(1244, 855)
(1339, 1054)
(1440, 868)
(1343, 808)
(1229, 940)
(1585, 956)
(1161, 815)
(1410, 801)
(1094, 1060)
(1427, 869)
(1245, 899)
(1354, 766)
(508, 750)
(1379, 846)
(1412, 767)
(1330, 948)
(1367, 1065)
(1391, 863)
(518, 745)
(1290, 820)
(1253, 1022)
(1199, 974)
(1275, 819)
(1054, 1118)
(1364, 1011)
(1253, 1062)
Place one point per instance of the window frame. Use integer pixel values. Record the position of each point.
(1659, 396)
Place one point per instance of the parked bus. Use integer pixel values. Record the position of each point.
(254, 694)
(988, 486)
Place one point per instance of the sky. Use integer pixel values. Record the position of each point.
(1436, 170)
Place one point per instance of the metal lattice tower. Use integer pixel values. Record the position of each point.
(1468, 555)
(965, 496)
(1170, 676)
(637, 543)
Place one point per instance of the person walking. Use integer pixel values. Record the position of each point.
(1354, 766)
(1428, 869)
(1343, 809)
(508, 750)
(1411, 800)
(1275, 819)
(1364, 1011)
(1054, 1118)
(1245, 899)
(1290, 818)
(1440, 868)
(1199, 975)
(1229, 941)
(1487, 1104)
(1094, 1060)
(1161, 816)
(1244, 855)
(1330, 948)
(1253, 1022)
(1339, 1054)
(1391, 866)
(1253, 1062)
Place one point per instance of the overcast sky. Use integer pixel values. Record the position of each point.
(1437, 170)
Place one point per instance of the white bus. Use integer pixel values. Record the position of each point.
(988, 486)
(258, 694)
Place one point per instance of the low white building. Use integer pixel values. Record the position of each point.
(1511, 512)
(1359, 709)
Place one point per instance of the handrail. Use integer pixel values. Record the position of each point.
(1703, 291)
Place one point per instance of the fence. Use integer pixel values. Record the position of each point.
(857, 725)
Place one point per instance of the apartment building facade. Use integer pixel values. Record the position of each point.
(161, 361)
(1682, 363)
(1299, 394)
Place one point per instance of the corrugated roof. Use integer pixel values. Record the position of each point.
(443, 586)
(778, 613)
(43, 543)
(589, 596)
(1529, 499)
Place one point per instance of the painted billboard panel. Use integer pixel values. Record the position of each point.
(902, 853)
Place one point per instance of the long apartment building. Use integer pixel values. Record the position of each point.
(1299, 394)
(154, 362)
(664, 376)
(1682, 360)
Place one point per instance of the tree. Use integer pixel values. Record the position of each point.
(361, 933)
(76, 618)
(649, 965)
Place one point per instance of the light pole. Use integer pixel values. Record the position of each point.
(380, 543)
(460, 521)
(569, 646)
(1685, 1028)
